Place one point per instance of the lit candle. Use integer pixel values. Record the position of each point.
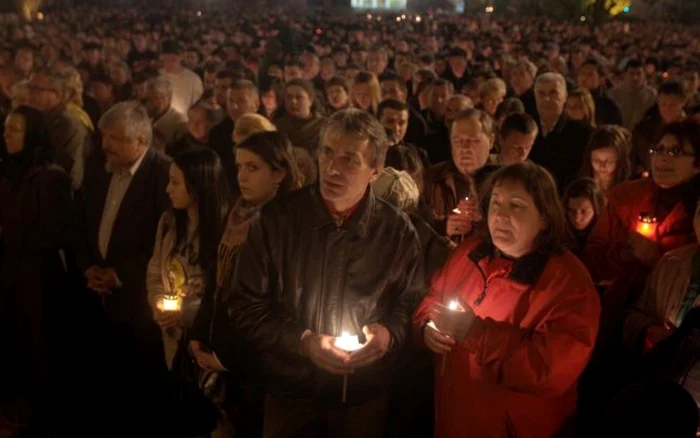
(646, 225)
(452, 306)
(170, 303)
(348, 343)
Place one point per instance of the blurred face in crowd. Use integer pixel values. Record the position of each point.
(292, 72)
(172, 62)
(24, 61)
(312, 67)
(395, 122)
(376, 62)
(337, 96)
(470, 145)
(139, 91)
(191, 59)
(588, 77)
(457, 63)
(635, 77)
(392, 90)
(551, 99)
(177, 189)
(438, 99)
(102, 92)
(359, 57)
(241, 101)
(671, 171)
(575, 108)
(455, 105)
(15, 131)
(350, 74)
(604, 163)
(362, 95)
(340, 58)
(209, 80)
(269, 100)
(297, 102)
(521, 80)
(118, 76)
(671, 107)
(198, 124)
(580, 212)
(275, 71)
(92, 56)
(514, 221)
(691, 80)
(516, 147)
(257, 180)
(121, 151)
(157, 102)
(42, 93)
(346, 167)
(490, 102)
(327, 68)
(140, 42)
(221, 87)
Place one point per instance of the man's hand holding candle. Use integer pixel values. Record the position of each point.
(321, 350)
(378, 342)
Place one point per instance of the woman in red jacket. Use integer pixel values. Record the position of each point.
(534, 313)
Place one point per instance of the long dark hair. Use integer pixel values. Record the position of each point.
(609, 136)
(37, 142)
(276, 150)
(207, 185)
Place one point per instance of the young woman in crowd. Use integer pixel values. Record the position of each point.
(580, 106)
(337, 93)
(366, 94)
(301, 119)
(266, 169)
(184, 256)
(491, 94)
(35, 218)
(527, 322)
(606, 159)
(584, 202)
(271, 96)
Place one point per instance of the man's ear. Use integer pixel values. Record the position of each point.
(376, 172)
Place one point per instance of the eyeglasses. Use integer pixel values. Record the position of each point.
(673, 153)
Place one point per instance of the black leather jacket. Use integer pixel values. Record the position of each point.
(297, 270)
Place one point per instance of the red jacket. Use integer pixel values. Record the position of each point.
(515, 373)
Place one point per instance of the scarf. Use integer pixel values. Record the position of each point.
(234, 235)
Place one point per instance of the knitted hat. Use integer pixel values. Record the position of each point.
(397, 188)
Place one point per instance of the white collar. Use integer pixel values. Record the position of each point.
(134, 167)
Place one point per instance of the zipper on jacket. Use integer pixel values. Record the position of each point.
(482, 294)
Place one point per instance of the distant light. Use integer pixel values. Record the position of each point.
(665, 75)
(418, 19)
(489, 9)
(398, 19)
(583, 18)
(199, 13)
(626, 9)
(403, 16)
(369, 16)
(379, 18)
(319, 31)
(40, 16)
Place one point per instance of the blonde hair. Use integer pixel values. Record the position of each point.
(72, 85)
(19, 93)
(588, 104)
(249, 124)
(365, 77)
(494, 85)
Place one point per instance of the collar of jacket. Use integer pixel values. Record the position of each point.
(359, 221)
(526, 270)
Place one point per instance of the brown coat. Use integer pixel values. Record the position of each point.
(445, 186)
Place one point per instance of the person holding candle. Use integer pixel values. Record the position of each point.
(606, 159)
(531, 314)
(266, 169)
(327, 259)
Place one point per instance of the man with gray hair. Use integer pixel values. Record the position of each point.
(522, 80)
(329, 259)
(561, 142)
(169, 125)
(70, 139)
(118, 213)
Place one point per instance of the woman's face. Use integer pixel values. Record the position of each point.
(671, 171)
(580, 212)
(269, 101)
(297, 102)
(337, 97)
(257, 180)
(575, 109)
(604, 162)
(15, 130)
(514, 221)
(490, 102)
(362, 96)
(177, 189)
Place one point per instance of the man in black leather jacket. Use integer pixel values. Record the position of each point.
(327, 259)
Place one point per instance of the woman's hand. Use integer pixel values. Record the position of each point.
(167, 319)
(205, 360)
(437, 342)
(644, 250)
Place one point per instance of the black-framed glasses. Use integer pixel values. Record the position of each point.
(673, 153)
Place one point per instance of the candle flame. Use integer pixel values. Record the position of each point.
(454, 305)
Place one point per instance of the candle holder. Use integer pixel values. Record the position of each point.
(169, 303)
(452, 320)
(347, 343)
(647, 225)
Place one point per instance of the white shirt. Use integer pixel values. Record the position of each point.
(187, 89)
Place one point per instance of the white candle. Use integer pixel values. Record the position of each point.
(348, 342)
(454, 305)
(457, 211)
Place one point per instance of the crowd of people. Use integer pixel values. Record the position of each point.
(259, 224)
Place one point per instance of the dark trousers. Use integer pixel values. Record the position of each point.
(286, 418)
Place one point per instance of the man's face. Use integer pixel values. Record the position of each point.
(396, 122)
(221, 86)
(120, 150)
(157, 102)
(140, 42)
(171, 61)
(327, 68)
(209, 80)
(438, 99)
(376, 63)
(691, 80)
(92, 56)
(454, 106)
(521, 80)
(292, 72)
(635, 77)
(191, 60)
(42, 95)
(671, 107)
(457, 63)
(470, 145)
(340, 58)
(241, 102)
(198, 124)
(588, 77)
(24, 61)
(346, 168)
(359, 57)
(337, 96)
(297, 102)
(516, 147)
(551, 99)
(392, 90)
